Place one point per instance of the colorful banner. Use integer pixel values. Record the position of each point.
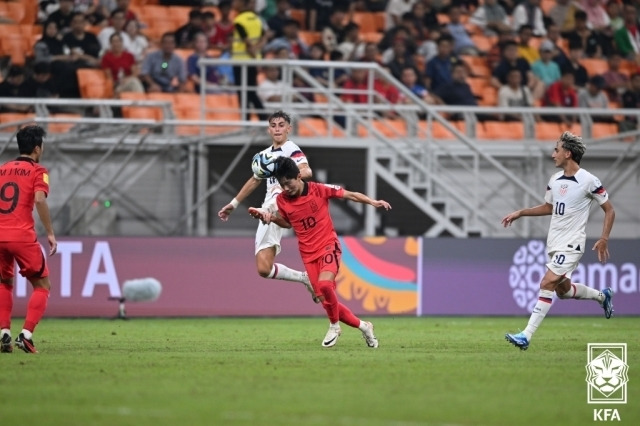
(502, 277)
(217, 277)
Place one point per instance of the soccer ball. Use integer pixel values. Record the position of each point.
(263, 165)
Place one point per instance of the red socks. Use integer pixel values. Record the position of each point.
(6, 305)
(347, 317)
(35, 308)
(330, 304)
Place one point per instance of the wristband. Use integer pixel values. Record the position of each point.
(234, 203)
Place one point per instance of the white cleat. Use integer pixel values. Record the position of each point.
(307, 284)
(369, 337)
(332, 336)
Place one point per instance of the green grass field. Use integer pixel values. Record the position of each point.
(428, 371)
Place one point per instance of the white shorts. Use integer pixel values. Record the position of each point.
(268, 236)
(563, 263)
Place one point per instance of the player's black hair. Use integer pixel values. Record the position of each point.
(280, 114)
(29, 137)
(285, 168)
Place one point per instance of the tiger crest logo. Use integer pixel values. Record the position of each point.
(607, 373)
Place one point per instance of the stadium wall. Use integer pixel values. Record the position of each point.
(378, 276)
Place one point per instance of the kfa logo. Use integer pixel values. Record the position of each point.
(607, 377)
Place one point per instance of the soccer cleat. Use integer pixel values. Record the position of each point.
(369, 337)
(332, 336)
(607, 303)
(307, 284)
(5, 343)
(519, 340)
(25, 344)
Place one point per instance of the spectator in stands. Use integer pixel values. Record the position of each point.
(494, 55)
(561, 94)
(525, 50)
(357, 85)
(209, 26)
(455, 92)
(163, 70)
(290, 40)
(491, 18)
(514, 94)
(351, 44)
(627, 38)
(317, 52)
(614, 11)
(616, 82)
(439, 70)
(319, 12)
(214, 82)
(84, 46)
(596, 14)
(594, 97)
(400, 59)
(224, 27)
(186, 33)
(117, 26)
(371, 53)
(334, 32)
(340, 75)
(631, 100)
(553, 35)
(424, 17)
(271, 89)
(63, 16)
(562, 15)
(248, 40)
(511, 60)
(545, 68)
(529, 12)
(392, 35)
(42, 83)
(120, 67)
(91, 11)
(574, 66)
(128, 13)
(138, 43)
(409, 78)
(14, 87)
(50, 47)
(395, 10)
(277, 21)
(585, 38)
(462, 43)
(429, 48)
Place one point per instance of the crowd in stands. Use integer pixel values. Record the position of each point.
(564, 53)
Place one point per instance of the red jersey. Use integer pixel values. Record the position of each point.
(19, 181)
(309, 216)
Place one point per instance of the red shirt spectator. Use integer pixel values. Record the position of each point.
(358, 82)
(561, 94)
(116, 63)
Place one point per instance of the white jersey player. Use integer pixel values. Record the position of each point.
(268, 237)
(568, 199)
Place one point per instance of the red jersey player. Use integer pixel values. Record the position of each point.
(23, 183)
(304, 206)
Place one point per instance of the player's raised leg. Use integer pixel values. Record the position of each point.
(6, 306)
(35, 310)
(569, 290)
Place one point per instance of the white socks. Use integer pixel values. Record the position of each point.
(539, 312)
(5, 331)
(27, 334)
(281, 272)
(363, 326)
(582, 292)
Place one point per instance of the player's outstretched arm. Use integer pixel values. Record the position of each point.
(249, 186)
(602, 245)
(305, 171)
(268, 217)
(361, 198)
(541, 210)
(43, 212)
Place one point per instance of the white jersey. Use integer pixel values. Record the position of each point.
(288, 149)
(571, 198)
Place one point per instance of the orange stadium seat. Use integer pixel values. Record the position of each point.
(14, 45)
(499, 130)
(317, 127)
(94, 84)
(9, 117)
(600, 130)
(595, 66)
(388, 127)
(14, 11)
(310, 37)
(438, 129)
(482, 42)
(478, 66)
(299, 15)
(366, 21)
(547, 131)
(137, 112)
(489, 96)
(371, 37)
(477, 85)
(61, 127)
(154, 32)
(179, 15)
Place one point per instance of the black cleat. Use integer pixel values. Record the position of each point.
(25, 344)
(5, 343)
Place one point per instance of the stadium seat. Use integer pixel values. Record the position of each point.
(300, 16)
(94, 84)
(438, 130)
(154, 32)
(366, 21)
(477, 85)
(14, 45)
(547, 5)
(547, 131)
(61, 127)
(489, 96)
(482, 42)
(601, 130)
(498, 130)
(595, 66)
(317, 127)
(138, 112)
(310, 37)
(179, 15)
(14, 11)
(9, 117)
(478, 66)
(395, 128)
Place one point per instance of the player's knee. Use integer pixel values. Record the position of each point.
(41, 283)
(563, 294)
(264, 269)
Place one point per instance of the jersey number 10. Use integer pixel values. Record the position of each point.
(559, 209)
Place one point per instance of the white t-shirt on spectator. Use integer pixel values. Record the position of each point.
(396, 8)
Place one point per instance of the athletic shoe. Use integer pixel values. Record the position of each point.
(307, 284)
(25, 344)
(519, 340)
(5, 343)
(332, 336)
(369, 337)
(607, 303)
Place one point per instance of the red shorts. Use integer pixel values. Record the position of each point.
(29, 256)
(330, 262)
